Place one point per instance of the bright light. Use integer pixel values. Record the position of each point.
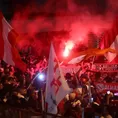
(68, 46)
(66, 53)
(41, 77)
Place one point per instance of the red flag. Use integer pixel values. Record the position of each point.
(56, 85)
(8, 52)
(110, 40)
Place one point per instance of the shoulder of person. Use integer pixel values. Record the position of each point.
(101, 117)
(108, 116)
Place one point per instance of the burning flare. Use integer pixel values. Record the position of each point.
(68, 46)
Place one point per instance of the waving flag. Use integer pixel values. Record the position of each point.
(8, 52)
(56, 85)
(84, 55)
(110, 40)
(77, 59)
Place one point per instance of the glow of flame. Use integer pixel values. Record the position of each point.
(68, 46)
(66, 52)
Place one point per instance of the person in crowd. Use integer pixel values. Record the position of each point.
(107, 112)
(108, 79)
(34, 102)
(72, 106)
(108, 97)
(71, 80)
(85, 90)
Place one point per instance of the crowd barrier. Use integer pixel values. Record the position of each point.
(12, 112)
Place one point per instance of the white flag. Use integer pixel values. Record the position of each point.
(56, 85)
(77, 59)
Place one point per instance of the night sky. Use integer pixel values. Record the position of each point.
(8, 7)
(67, 20)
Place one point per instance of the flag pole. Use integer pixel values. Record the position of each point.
(37, 75)
(90, 94)
(82, 112)
(32, 82)
(35, 78)
(42, 99)
(42, 103)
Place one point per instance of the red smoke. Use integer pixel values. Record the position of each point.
(58, 21)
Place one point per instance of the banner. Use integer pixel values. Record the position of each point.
(105, 67)
(102, 67)
(70, 69)
(104, 87)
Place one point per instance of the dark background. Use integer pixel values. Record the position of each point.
(8, 7)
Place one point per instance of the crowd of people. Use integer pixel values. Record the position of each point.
(15, 90)
(85, 94)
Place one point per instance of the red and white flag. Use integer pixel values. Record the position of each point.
(110, 40)
(8, 52)
(56, 85)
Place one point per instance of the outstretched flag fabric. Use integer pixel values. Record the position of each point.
(77, 59)
(8, 52)
(110, 40)
(84, 55)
